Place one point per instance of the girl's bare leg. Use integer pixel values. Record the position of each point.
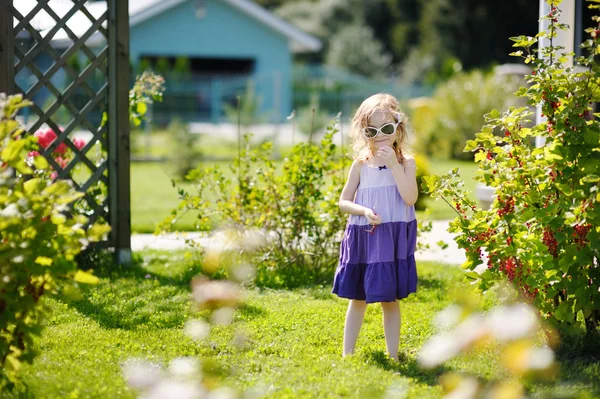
(354, 320)
(391, 327)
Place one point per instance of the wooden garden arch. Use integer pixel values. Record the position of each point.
(111, 61)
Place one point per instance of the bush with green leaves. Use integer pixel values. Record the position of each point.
(457, 110)
(39, 240)
(297, 205)
(186, 154)
(542, 231)
(422, 171)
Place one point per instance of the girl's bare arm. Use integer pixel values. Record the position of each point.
(405, 176)
(346, 202)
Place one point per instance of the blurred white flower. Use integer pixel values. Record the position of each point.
(443, 347)
(252, 239)
(141, 374)
(508, 323)
(223, 316)
(448, 317)
(467, 389)
(240, 339)
(470, 330)
(196, 329)
(185, 367)
(397, 390)
(18, 259)
(10, 211)
(170, 389)
(257, 391)
(243, 272)
(541, 358)
(437, 350)
(215, 294)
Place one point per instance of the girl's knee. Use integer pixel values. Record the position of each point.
(390, 306)
(357, 303)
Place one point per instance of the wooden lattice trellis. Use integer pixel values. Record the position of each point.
(101, 86)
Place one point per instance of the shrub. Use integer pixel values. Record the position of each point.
(543, 229)
(422, 171)
(455, 113)
(39, 240)
(184, 145)
(297, 205)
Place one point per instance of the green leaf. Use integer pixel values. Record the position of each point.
(43, 260)
(40, 162)
(471, 145)
(480, 156)
(31, 186)
(550, 155)
(563, 312)
(86, 278)
(98, 231)
(494, 114)
(471, 276)
(550, 273)
(141, 108)
(590, 179)
(58, 218)
(58, 188)
(12, 150)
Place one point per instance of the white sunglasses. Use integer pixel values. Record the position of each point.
(388, 129)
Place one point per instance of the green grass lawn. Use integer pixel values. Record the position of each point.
(153, 196)
(294, 346)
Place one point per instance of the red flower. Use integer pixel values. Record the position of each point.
(61, 161)
(33, 154)
(47, 137)
(54, 175)
(79, 143)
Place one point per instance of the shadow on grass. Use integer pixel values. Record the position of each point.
(579, 358)
(251, 311)
(407, 366)
(431, 284)
(103, 266)
(119, 305)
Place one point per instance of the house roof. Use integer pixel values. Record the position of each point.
(142, 10)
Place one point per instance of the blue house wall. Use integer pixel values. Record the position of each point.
(223, 32)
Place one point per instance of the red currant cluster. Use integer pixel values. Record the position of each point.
(553, 14)
(462, 210)
(580, 233)
(549, 240)
(508, 207)
(509, 267)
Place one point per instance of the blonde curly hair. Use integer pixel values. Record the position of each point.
(381, 102)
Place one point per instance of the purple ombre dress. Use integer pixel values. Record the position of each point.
(378, 266)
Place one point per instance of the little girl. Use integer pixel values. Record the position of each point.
(377, 262)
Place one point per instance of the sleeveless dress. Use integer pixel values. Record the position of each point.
(378, 266)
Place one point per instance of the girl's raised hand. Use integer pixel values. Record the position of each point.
(372, 217)
(388, 154)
